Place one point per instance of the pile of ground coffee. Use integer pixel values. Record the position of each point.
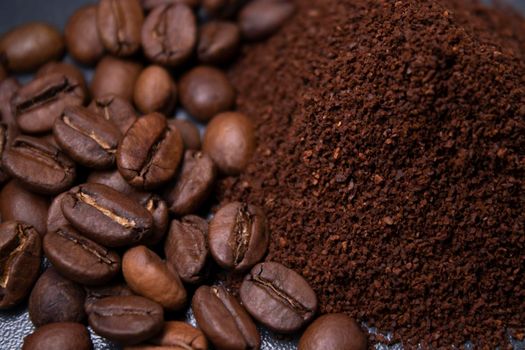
(391, 163)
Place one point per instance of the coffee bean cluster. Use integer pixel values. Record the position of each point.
(106, 186)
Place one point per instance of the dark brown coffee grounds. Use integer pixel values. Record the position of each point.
(391, 163)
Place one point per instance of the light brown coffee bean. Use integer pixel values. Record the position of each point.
(81, 34)
(115, 76)
(155, 91)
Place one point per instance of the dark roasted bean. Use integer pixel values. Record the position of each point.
(116, 109)
(59, 336)
(55, 217)
(81, 35)
(218, 42)
(261, 18)
(115, 76)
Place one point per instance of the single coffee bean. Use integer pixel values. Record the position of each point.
(219, 41)
(150, 152)
(261, 18)
(126, 319)
(155, 91)
(115, 109)
(176, 335)
(151, 4)
(93, 294)
(55, 217)
(81, 33)
(59, 336)
(56, 299)
(30, 45)
(159, 211)
(106, 215)
(223, 320)
(8, 88)
(205, 92)
(193, 185)
(20, 254)
(87, 137)
(230, 141)
(115, 76)
(221, 8)
(119, 23)
(66, 69)
(79, 258)
(278, 297)
(333, 331)
(169, 34)
(191, 136)
(39, 166)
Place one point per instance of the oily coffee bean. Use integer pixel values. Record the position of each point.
(20, 254)
(115, 76)
(176, 335)
(106, 215)
(230, 141)
(333, 331)
(219, 41)
(126, 319)
(59, 336)
(191, 136)
(30, 45)
(93, 294)
(55, 217)
(150, 152)
(155, 91)
(238, 236)
(221, 8)
(87, 137)
(151, 4)
(56, 299)
(261, 18)
(81, 34)
(186, 247)
(119, 23)
(159, 211)
(8, 88)
(39, 166)
(79, 258)
(115, 109)
(224, 321)
(147, 275)
(205, 92)
(278, 297)
(169, 34)
(65, 69)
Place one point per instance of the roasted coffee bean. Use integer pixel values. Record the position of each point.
(221, 8)
(29, 46)
(79, 258)
(38, 104)
(147, 275)
(55, 217)
(115, 76)
(7, 136)
(39, 166)
(230, 141)
(20, 254)
(87, 137)
(66, 69)
(81, 34)
(151, 4)
(59, 336)
(56, 299)
(175, 336)
(224, 321)
(150, 152)
(169, 34)
(155, 91)
(333, 331)
(106, 215)
(159, 211)
(261, 18)
(113, 179)
(191, 136)
(8, 88)
(126, 319)
(278, 297)
(193, 185)
(218, 42)
(119, 23)
(205, 92)
(93, 294)
(186, 247)
(116, 109)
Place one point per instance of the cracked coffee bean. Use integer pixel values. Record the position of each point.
(93, 294)
(219, 41)
(176, 335)
(59, 336)
(261, 18)
(278, 297)
(81, 35)
(115, 76)
(115, 109)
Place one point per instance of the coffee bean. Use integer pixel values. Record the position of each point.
(126, 319)
(119, 23)
(8, 88)
(87, 137)
(56, 299)
(39, 166)
(159, 211)
(193, 185)
(106, 216)
(115, 76)
(147, 275)
(116, 109)
(113, 179)
(81, 35)
(261, 18)
(7, 135)
(230, 141)
(169, 34)
(191, 136)
(221, 8)
(59, 336)
(3, 71)
(66, 69)
(186, 247)
(55, 217)
(93, 294)
(205, 92)
(333, 331)
(175, 336)
(20, 254)
(151, 4)
(79, 258)
(218, 42)
(155, 91)
(278, 297)
(150, 152)
(224, 321)
(30, 45)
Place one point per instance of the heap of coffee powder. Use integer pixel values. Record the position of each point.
(391, 163)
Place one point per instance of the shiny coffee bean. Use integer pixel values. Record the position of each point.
(126, 319)
(205, 92)
(81, 35)
(223, 320)
(94, 294)
(169, 34)
(8, 88)
(191, 136)
(56, 299)
(39, 166)
(221, 8)
(151, 4)
(79, 258)
(219, 41)
(155, 91)
(7, 135)
(230, 141)
(20, 252)
(159, 211)
(59, 336)
(55, 217)
(176, 335)
(106, 216)
(66, 69)
(115, 76)
(115, 109)
(278, 297)
(261, 18)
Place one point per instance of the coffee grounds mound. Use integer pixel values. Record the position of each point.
(391, 163)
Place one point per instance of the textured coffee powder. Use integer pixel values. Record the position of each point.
(391, 163)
